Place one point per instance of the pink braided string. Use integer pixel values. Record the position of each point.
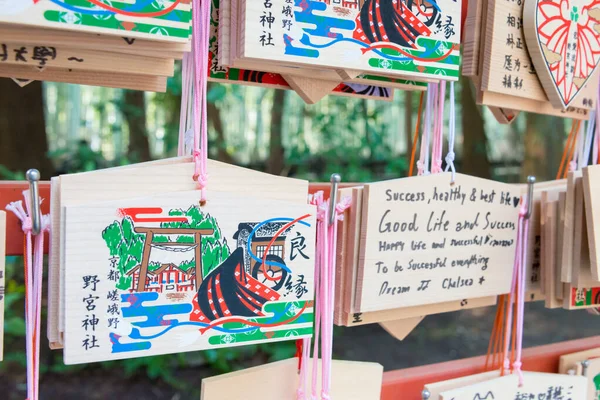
(518, 286)
(327, 349)
(436, 157)
(200, 26)
(324, 299)
(524, 235)
(33, 290)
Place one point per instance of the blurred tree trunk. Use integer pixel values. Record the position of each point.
(408, 121)
(276, 152)
(534, 157)
(171, 140)
(255, 157)
(474, 153)
(23, 142)
(368, 134)
(214, 117)
(553, 140)
(134, 111)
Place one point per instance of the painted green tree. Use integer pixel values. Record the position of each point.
(127, 245)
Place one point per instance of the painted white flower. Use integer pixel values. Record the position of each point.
(385, 64)
(252, 331)
(159, 4)
(442, 49)
(159, 31)
(102, 17)
(227, 339)
(70, 17)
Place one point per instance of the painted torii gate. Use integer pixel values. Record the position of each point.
(150, 232)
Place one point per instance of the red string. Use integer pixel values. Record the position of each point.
(136, 14)
(299, 348)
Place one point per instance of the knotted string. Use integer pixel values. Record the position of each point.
(318, 201)
(324, 300)
(416, 135)
(423, 163)
(201, 26)
(327, 350)
(517, 294)
(436, 161)
(186, 132)
(33, 256)
(524, 232)
(451, 135)
(511, 300)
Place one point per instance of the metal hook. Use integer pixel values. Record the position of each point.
(335, 181)
(585, 364)
(530, 183)
(33, 177)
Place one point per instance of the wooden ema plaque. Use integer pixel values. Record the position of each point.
(378, 37)
(146, 179)
(507, 68)
(563, 41)
(535, 386)
(164, 21)
(591, 189)
(279, 381)
(436, 389)
(161, 274)
(2, 278)
(220, 69)
(424, 241)
(592, 373)
(348, 250)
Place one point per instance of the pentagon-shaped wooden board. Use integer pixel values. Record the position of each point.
(279, 381)
(201, 276)
(591, 189)
(424, 235)
(2, 278)
(535, 386)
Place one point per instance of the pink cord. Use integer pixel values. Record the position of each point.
(201, 26)
(438, 134)
(518, 285)
(33, 290)
(523, 232)
(324, 299)
(185, 114)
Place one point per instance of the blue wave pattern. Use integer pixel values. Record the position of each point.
(322, 26)
(155, 318)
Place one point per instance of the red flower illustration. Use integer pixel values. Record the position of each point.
(570, 43)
